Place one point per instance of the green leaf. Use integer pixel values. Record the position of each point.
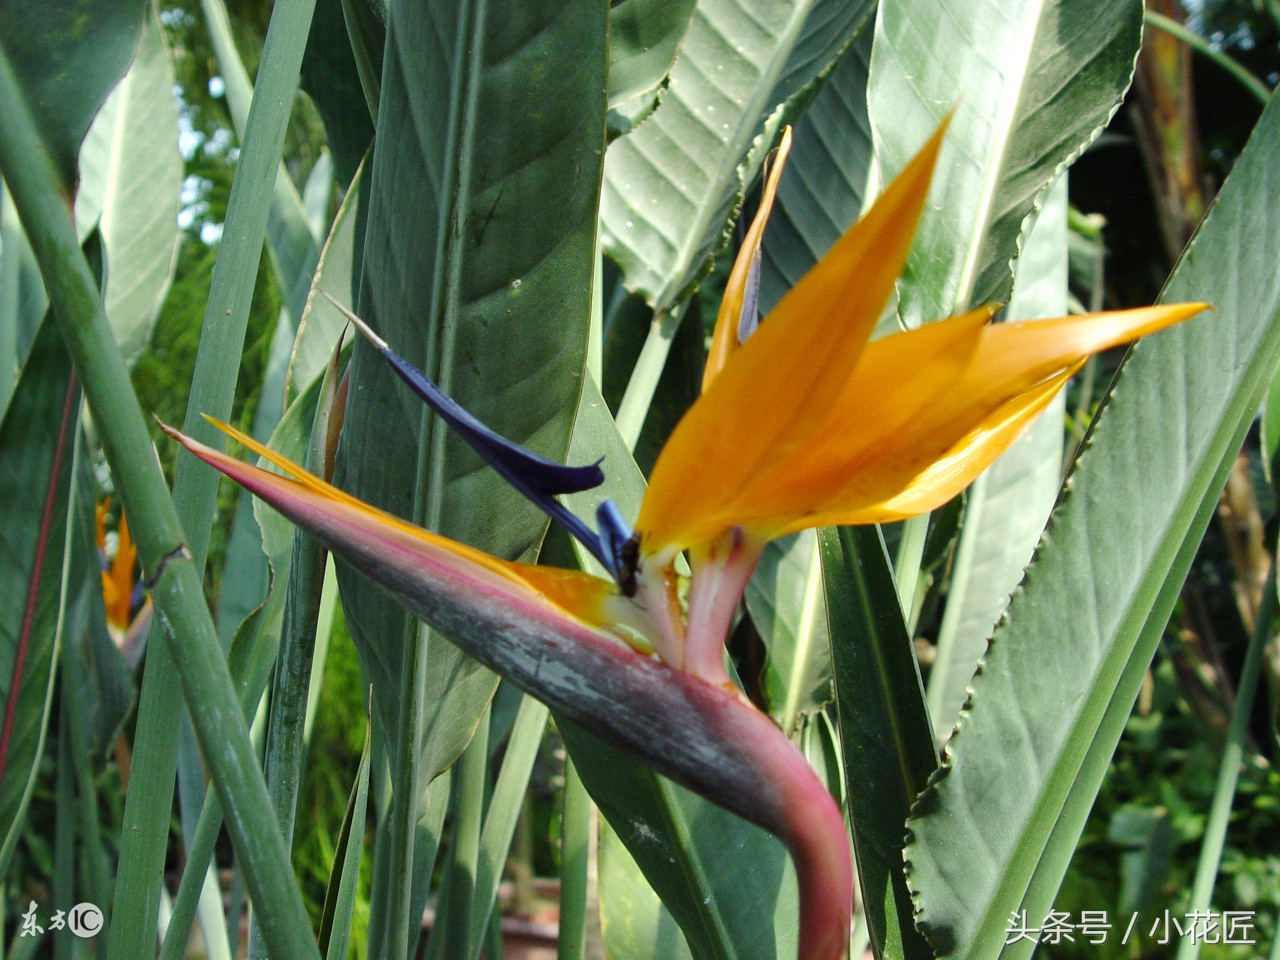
(785, 598)
(22, 297)
(822, 188)
(289, 240)
(1032, 83)
(92, 664)
(727, 883)
(1009, 504)
(496, 310)
(130, 176)
(884, 727)
(1147, 836)
(37, 438)
(321, 323)
(340, 896)
(67, 59)
(505, 804)
(634, 923)
(673, 184)
(644, 36)
(477, 268)
(994, 834)
(331, 78)
(96, 689)
(166, 545)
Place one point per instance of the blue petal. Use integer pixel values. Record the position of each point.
(749, 316)
(523, 468)
(614, 534)
(538, 478)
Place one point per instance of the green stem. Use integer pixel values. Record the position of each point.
(473, 776)
(575, 843)
(634, 407)
(250, 663)
(64, 831)
(286, 722)
(1215, 831)
(504, 808)
(1202, 46)
(166, 554)
(906, 565)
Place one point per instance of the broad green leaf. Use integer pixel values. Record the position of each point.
(1032, 83)
(332, 79)
(67, 58)
(1009, 504)
(884, 727)
(995, 833)
(644, 36)
(22, 297)
(633, 922)
(727, 883)
(477, 261)
(37, 440)
(785, 598)
(130, 176)
(673, 184)
(823, 186)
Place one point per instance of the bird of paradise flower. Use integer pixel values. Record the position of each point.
(807, 422)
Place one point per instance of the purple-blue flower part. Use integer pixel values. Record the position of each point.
(536, 477)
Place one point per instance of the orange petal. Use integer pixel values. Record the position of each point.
(875, 465)
(865, 454)
(724, 339)
(781, 384)
(955, 470)
(1022, 354)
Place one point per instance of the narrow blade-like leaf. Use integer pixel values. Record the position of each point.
(36, 441)
(130, 176)
(884, 727)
